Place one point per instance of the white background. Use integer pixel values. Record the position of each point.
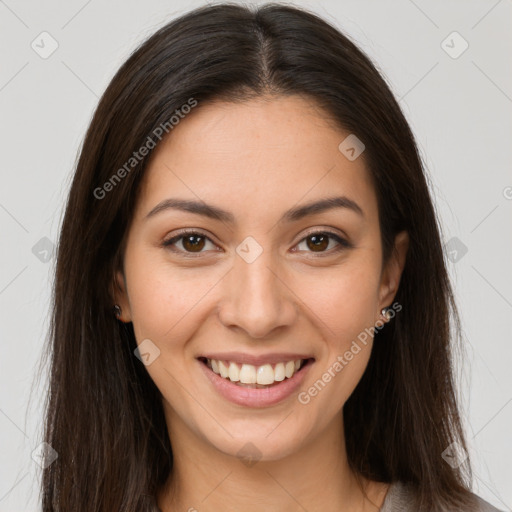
(459, 109)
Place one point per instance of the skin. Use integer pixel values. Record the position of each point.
(257, 159)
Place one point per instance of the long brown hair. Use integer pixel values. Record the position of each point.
(104, 415)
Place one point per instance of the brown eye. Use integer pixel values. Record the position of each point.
(191, 242)
(319, 242)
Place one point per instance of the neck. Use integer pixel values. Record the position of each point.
(316, 477)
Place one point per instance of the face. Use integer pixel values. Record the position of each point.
(256, 286)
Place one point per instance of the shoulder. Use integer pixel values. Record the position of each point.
(402, 498)
(485, 506)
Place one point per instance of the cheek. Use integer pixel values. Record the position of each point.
(346, 306)
(344, 299)
(164, 300)
(166, 305)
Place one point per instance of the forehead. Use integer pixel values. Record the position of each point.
(268, 152)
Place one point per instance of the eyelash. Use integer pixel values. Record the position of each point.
(343, 244)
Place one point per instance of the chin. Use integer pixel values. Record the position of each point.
(271, 442)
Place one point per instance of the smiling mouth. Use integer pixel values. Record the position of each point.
(255, 377)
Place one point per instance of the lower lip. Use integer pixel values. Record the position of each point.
(253, 397)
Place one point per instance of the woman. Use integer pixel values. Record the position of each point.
(251, 308)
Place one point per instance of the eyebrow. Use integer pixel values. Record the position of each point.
(292, 215)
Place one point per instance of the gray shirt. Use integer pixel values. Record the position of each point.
(400, 497)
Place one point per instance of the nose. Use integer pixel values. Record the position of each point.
(256, 297)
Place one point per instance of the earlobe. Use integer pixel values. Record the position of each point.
(393, 271)
(121, 304)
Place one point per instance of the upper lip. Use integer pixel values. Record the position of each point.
(241, 358)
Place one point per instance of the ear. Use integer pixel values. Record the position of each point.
(392, 272)
(121, 296)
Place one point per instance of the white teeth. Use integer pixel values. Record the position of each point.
(279, 372)
(289, 369)
(233, 372)
(249, 374)
(224, 370)
(265, 375)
